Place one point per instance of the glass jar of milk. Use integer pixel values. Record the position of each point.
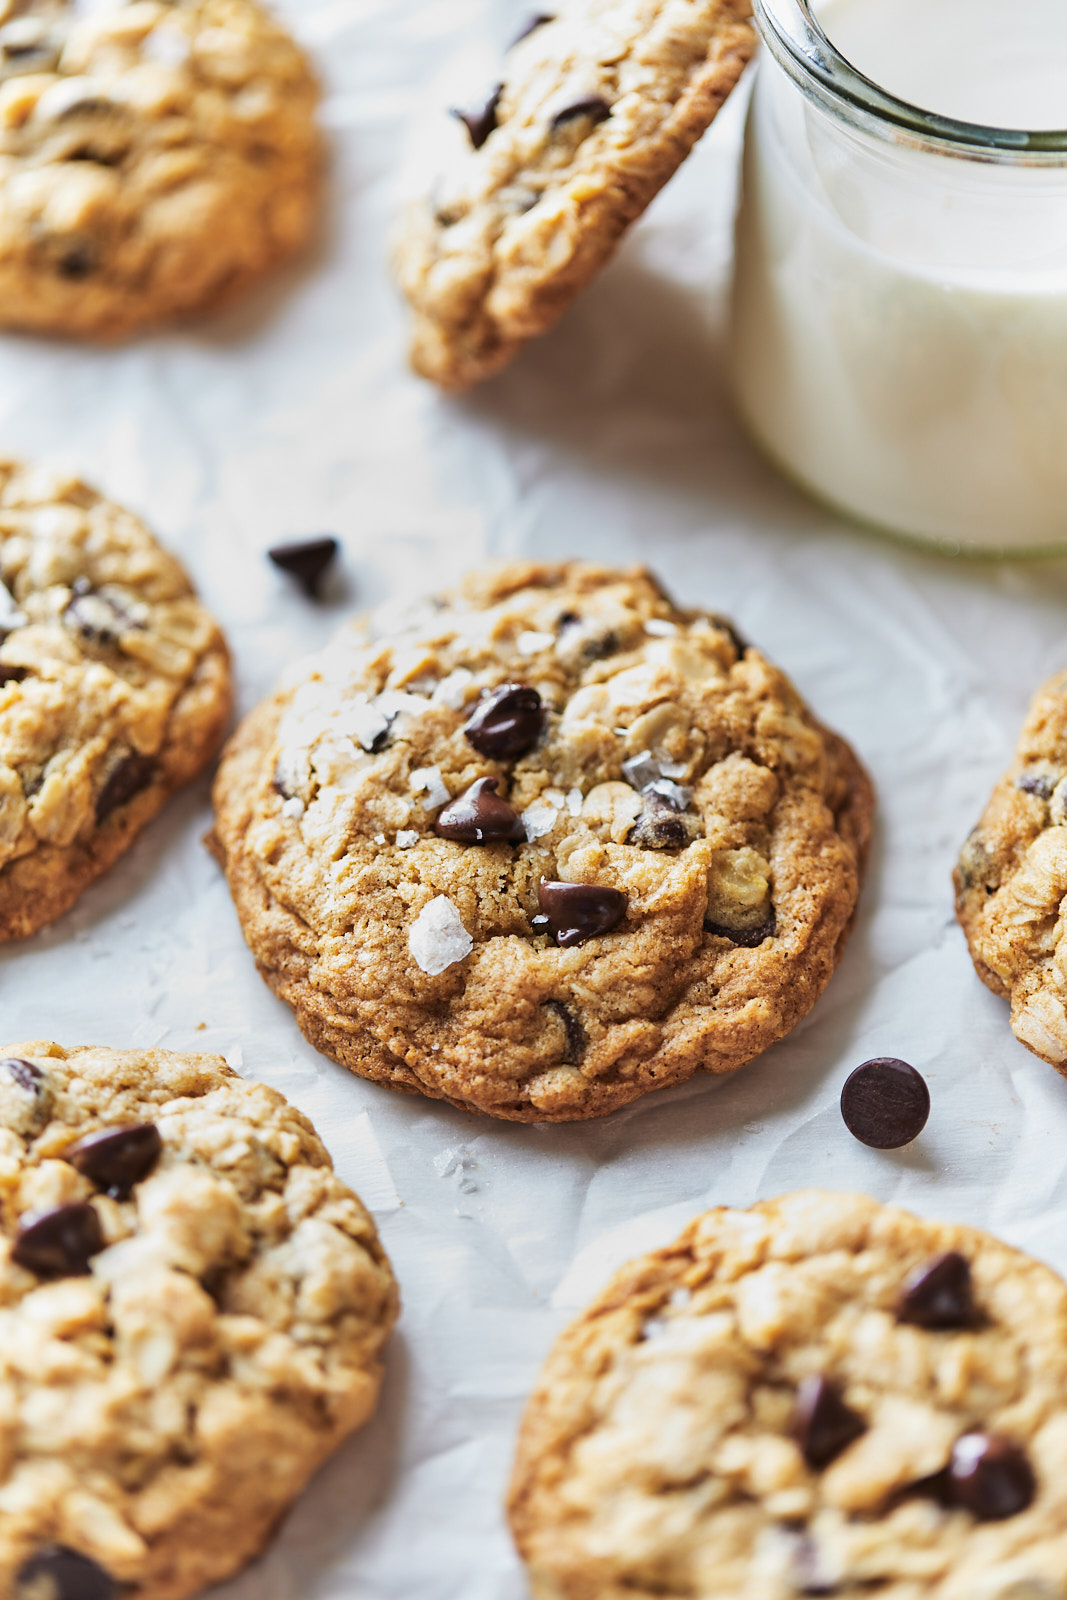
(900, 295)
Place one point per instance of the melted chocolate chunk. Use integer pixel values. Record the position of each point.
(480, 124)
(128, 777)
(63, 1574)
(479, 816)
(594, 106)
(940, 1295)
(535, 22)
(306, 560)
(507, 723)
(885, 1103)
(115, 1159)
(990, 1476)
(823, 1425)
(1034, 783)
(747, 938)
(661, 827)
(59, 1243)
(580, 911)
(574, 1049)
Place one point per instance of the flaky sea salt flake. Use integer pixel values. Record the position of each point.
(438, 938)
(429, 780)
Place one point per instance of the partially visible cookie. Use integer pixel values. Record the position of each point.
(192, 1313)
(542, 845)
(1011, 881)
(154, 158)
(598, 106)
(820, 1396)
(114, 689)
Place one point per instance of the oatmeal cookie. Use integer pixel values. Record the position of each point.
(599, 105)
(155, 156)
(1011, 881)
(543, 845)
(114, 689)
(192, 1312)
(820, 1396)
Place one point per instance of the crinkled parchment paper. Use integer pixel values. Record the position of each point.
(612, 438)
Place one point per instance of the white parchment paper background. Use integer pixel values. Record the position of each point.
(612, 438)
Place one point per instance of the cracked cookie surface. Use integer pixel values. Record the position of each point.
(673, 1448)
(114, 689)
(154, 158)
(1011, 881)
(543, 845)
(597, 108)
(192, 1311)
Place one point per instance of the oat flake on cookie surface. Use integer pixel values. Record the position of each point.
(598, 105)
(1011, 881)
(820, 1396)
(155, 156)
(192, 1312)
(542, 845)
(114, 689)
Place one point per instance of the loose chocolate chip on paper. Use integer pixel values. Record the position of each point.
(480, 124)
(306, 560)
(507, 723)
(940, 1294)
(594, 106)
(59, 1243)
(479, 816)
(115, 1159)
(580, 911)
(59, 1573)
(128, 777)
(823, 1425)
(885, 1103)
(990, 1476)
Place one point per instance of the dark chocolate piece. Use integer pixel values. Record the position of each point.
(306, 560)
(594, 106)
(1034, 783)
(480, 124)
(537, 21)
(479, 816)
(885, 1103)
(507, 723)
(580, 911)
(747, 938)
(940, 1295)
(574, 1049)
(115, 1159)
(128, 777)
(990, 1476)
(823, 1425)
(59, 1243)
(60, 1573)
(26, 1075)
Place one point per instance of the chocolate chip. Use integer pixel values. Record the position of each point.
(939, 1295)
(97, 617)
(77, 263)
(479, 816)
(59, 1243)
(738, 640)
(480, 124)
(594, 106)
(58, 1573)
(535, 22)
(976, 868)
(28, 1077)
(115, 1159)
(507, 723)
(990, 1476)
(661, 827)
(580, 911)
(567, 619)
(1035, 783)
(574, 1048)
(885, 1103)
(13, 674)
(823, 1425)
(747, 938)
(131, 774)
(597, 649)
(306, 560)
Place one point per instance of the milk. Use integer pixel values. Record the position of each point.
(900, 316)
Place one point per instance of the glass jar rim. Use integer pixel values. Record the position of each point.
(797, 42)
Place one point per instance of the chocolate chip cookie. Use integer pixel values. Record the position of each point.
(598, 105)
(114, 689)
(820, 1396)
(192, 1311)
(154, 158)
(543, 845)
(1011, 881)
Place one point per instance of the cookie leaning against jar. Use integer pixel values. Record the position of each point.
(114, 689)
(1011, 881)
(821, 1395)
(154, 158)
(542, 845)
(599, 104)
(192, 1313)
